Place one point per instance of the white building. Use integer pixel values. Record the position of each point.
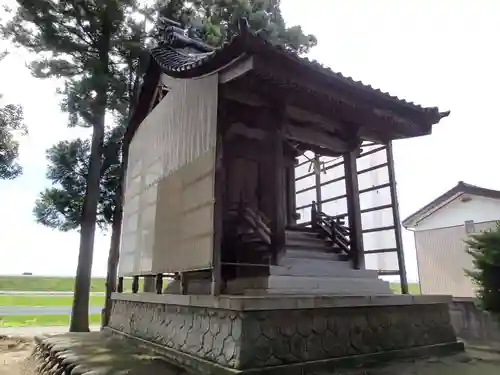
(440, 229)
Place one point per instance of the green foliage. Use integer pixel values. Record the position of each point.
(74, 54)
(218, 22)
(485, 251)
(11, 124)
(61, 205)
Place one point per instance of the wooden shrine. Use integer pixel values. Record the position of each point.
(210, 200)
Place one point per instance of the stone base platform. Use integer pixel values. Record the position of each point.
(278, 334)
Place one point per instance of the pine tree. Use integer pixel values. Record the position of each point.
(11, 123)
(127, 44)
(77, 41)
(485, 251)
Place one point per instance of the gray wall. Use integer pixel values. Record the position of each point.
(473, 325)
(441, 259)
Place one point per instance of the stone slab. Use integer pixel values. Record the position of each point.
(277, 302)
(266, 338)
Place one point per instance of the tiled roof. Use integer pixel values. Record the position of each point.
(183, 57)
(443, 199)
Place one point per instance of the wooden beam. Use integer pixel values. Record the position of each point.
(354, 211)
(353, 106)
(236, 70)
(317, 182)
(241, 96)
(318, 138)
(219, 193)
(397, 220)
(302, 115)
(277, 120)
(241, 129)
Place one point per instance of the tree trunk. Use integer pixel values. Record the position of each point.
(80, 309)
(114, 249)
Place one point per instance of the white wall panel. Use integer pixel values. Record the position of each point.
(169, 184)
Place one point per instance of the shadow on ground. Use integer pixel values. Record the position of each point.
(15, 359)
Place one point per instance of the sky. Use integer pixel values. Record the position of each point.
(436, 53)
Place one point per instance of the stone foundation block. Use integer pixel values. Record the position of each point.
(262, 333)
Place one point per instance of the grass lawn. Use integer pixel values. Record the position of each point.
(44, 300)
(41, 320)
(52, 284)
(413, 288)
(65, 284)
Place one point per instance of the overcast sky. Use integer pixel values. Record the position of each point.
(436, 53)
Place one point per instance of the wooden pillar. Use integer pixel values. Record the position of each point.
(183, 282)
(119, 288)
(397, 220)
(159, 283)
(317, 180)
(354, 210)
(219, 193)
(135, 284)
(276, 121)
(290, 193)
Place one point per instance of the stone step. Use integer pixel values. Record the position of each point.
(296, 228)
(283, 284)
(302, 235)
(316, 292)
(323, 269)
(302, 253)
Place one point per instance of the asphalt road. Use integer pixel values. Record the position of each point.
(43, 310)
(33, 331)
(47, 293)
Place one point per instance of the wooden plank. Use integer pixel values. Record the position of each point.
(354, 211)
(236, 70)
(397, 220)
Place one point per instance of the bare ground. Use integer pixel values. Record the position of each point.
(13, 355)
(15, 352)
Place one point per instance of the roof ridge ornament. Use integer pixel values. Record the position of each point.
(243, 26)
(175, 36)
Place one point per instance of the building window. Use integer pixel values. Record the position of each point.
(469, 226)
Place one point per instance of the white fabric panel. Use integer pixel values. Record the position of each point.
(167, 150)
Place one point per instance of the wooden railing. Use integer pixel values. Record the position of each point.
(333, 228)
(257, 221)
